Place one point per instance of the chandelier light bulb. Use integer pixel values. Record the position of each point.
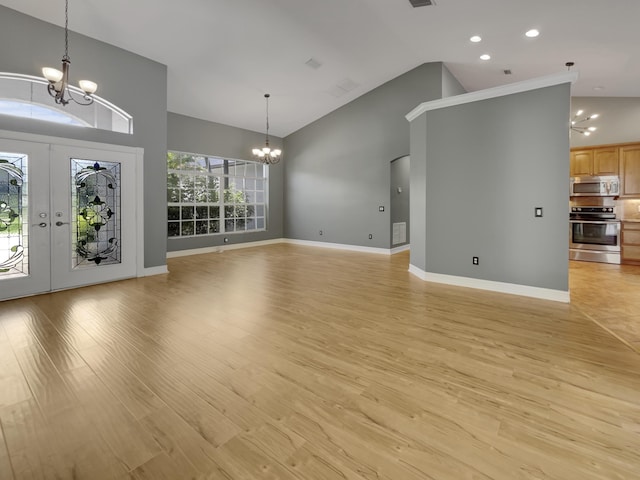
(52, 74)
(88, 86)
(579, 123)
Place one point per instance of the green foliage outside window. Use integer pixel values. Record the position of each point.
(195, 201)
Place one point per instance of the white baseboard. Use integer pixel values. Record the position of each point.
(308, 243)
(510, 288)
(402, 248)
(160, 270)
(338, 246)
(222, 248)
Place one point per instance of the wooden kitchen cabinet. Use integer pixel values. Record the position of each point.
(605, 161)
(581, 163)
(630, 171)
(630, 243)
(594, 161)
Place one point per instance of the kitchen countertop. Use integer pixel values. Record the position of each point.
(632, 220)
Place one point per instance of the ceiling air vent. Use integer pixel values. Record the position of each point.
(421, 3)
(313, 63)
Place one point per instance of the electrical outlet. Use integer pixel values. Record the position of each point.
(370, 236)
(381, 208)
(476, 260)
(320, 232)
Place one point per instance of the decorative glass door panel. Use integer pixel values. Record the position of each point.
(14, 215)
(24, 218)
(94, 216)
(68, 216)
(96, 213)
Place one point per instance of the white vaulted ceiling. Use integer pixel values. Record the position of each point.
(223, 55)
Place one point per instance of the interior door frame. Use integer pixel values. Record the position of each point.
(138, 152)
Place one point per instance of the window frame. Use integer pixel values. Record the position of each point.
(221, 203)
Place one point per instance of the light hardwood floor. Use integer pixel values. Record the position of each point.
(290, 362)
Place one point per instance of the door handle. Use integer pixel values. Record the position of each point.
(41, 224)
(59, 223)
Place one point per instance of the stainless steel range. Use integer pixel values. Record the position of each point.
(594, 234)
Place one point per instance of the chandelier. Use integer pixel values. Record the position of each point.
(579, 125)
(266, 154)
(59, 80)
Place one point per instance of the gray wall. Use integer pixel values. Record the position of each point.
(619, 120)
(134, 83)
(400, 168)
(418, 192)
(488, 164)
(191, 135)
(450, 84)
(337, 168)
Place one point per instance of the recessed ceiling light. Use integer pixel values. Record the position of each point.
(476, 39)
(533, 33)
(485, 57)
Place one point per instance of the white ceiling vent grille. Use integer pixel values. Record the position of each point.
(421, 3)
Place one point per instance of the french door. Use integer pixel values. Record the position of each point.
(67, 216)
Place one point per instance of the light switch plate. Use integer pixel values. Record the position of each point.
(538, 212)
(381, 208)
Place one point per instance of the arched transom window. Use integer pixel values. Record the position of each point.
(26, 96)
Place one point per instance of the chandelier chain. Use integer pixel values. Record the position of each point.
(66, 30)
(267, 97)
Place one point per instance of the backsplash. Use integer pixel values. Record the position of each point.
(628, 209)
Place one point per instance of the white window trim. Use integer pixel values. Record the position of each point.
(221, 203)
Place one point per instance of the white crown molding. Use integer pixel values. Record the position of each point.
(509, 89)
(510, 288)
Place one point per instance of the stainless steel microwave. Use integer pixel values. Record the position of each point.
(595, 186)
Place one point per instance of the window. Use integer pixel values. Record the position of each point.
(210, 195)
(27, 96)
